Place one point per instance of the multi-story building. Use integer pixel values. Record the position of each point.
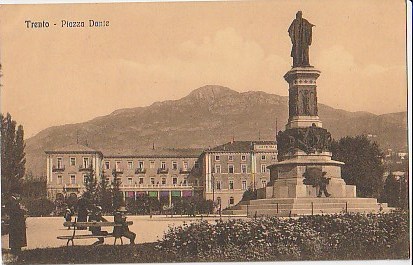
(230, 169)
(158, 175)
(221, 174)
(68, 167)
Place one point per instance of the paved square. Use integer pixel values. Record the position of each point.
(42, 231)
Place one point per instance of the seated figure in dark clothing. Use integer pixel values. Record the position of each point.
(119, 231)
(96, 216)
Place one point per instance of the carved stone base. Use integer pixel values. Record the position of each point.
(311, 140)
(287, 177)
(294, 188)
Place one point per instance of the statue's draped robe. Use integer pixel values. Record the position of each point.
(300, 32)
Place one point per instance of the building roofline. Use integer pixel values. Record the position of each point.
(151, 156)
(73, 152)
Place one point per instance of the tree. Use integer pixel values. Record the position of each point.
(91, 187)
(39, 206)
(396, 192)
(131, 205)
(117, 198)
(104, 194)
(363, 166)
(33, 187)
(19, 154)
(12, 155)
(391, 191)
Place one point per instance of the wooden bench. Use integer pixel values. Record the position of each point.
(76, 225)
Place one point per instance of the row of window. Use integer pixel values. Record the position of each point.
(218, 184)
(243, 157)
(231, 168)
(141, 165)
(163, 181)
(72, 162)
(231, 201)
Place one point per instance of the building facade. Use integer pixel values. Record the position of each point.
(161, 176)
(230, 169)
(67, 169)
(221, 174)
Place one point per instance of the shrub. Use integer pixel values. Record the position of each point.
(39, 206)
(347, 236)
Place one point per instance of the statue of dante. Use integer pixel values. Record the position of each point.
(300, 32)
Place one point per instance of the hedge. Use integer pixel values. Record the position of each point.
(322, 237)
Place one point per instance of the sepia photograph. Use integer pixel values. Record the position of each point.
(205, 131)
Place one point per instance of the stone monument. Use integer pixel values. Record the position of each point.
(305, 180)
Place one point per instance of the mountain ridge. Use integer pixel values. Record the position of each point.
(206, 117)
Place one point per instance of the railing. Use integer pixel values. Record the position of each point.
(184, 171)
(83, 168)
(76, 185)
(57, 169)
(118, 170)
(163, 170)
(140, 170)
(165, 186)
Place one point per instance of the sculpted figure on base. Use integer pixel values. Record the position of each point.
(310, 140)
(316, 178)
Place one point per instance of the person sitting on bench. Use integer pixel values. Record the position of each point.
(96, 216)
(68, 216)
(119, 231)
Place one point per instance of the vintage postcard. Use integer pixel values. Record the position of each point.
(205, 131)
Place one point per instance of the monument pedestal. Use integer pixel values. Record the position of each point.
(287, 194)
(288, 176)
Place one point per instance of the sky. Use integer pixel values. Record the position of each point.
(161, 51)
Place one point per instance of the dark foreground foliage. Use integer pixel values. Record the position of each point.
(332, 237)
(142, 253)
(343, 237)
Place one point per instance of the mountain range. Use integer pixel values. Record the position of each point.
(210, 115)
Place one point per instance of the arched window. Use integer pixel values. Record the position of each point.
(231, 200)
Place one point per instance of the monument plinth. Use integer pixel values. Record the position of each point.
(305, 180)
(303, 111)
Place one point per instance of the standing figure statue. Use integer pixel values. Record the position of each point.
(322, 185)
(306, 102)
(300, 32)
